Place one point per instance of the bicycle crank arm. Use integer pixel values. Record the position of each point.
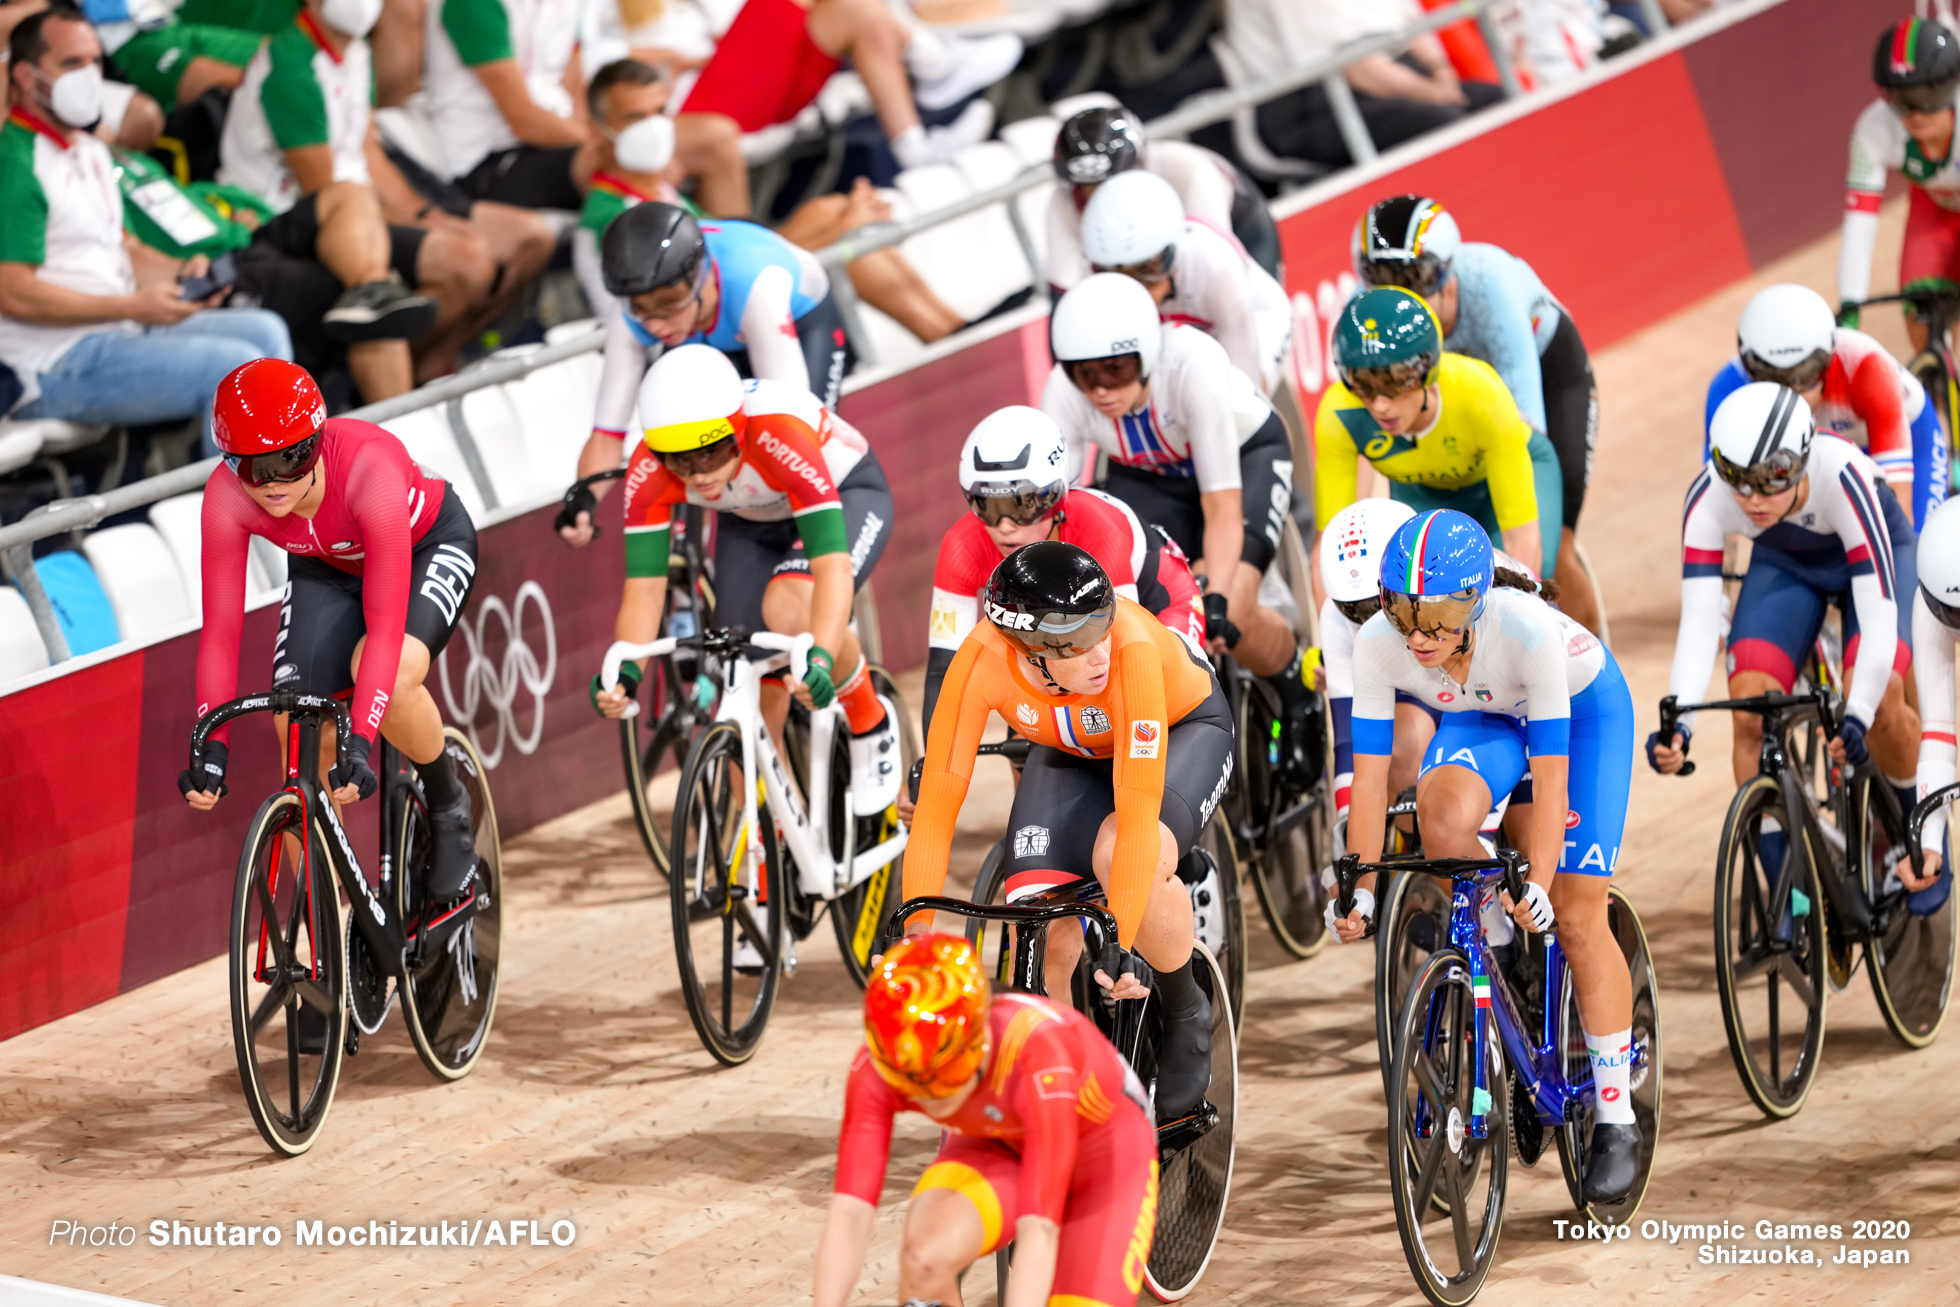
(1173, 1137)
(746, 923)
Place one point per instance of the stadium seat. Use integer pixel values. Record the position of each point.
(1069, 106)
(554, 412)
(265, 570)
(81, 608)
(997, 268)
(426, 435)
(1032, 139)
(21, 650)
(973, 262)
(494, 425)
(20, 444)
(58, 437)
(179, 520)
(139, 575)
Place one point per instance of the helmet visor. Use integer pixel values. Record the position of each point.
(1112, 373)
(1920, 99)
(1359, 611)
(1775, 474)
(1021, 502)
(1423, 274)
(942, 1082)
(288, 464)
(1395, 379)
(694, 462)
(1150, 271)
(1432, 615)
(1086, 169)
(1948, 615)
(1800, 376)
(1053, 634)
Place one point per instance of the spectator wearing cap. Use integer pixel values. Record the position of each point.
(300, 135)
(94, 323)
(1399, 96)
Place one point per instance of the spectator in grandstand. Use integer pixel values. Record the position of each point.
(95, 324)
(1399, 96)
(769, 62)
(170, 61)
(299, 135)
(636, 143)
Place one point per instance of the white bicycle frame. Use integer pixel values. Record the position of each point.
(806, 835)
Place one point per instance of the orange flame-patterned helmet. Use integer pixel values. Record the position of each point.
(925, 1016)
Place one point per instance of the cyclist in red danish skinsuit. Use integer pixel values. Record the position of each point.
(383, 559)
(1046, 1144)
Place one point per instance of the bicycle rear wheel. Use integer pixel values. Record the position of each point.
(722, 900)
(1771, 972)
(1910, 957)
(286, 956)
(1448, 1185)
(1194, 1178)
(1413, 921)
(449, 993)
(1218, 912)
(1292, 834)
(1644, 1077)
(859, 915)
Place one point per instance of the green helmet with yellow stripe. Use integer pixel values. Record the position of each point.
(1386, 341)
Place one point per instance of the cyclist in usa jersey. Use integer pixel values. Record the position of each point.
(1046, 1139)
(1909, 129)
(1521, 688)
(1935, 629)
(1855, 388)
(805, 514)
(735, 286)
(383, 557)
(1014, 473)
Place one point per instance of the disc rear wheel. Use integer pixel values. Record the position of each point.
(1194, 1179)
(1910, 957)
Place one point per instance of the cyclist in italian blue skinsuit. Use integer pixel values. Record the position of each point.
(737, 287)
(1492, 306)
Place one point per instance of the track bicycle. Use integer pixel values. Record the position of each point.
(1455, 1092)
(729, 837)
(1195, 1151)
(290, 952)
(1785, 935)
(1210, 872)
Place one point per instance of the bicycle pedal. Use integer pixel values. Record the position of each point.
(1174, 1137)
(353, 1044)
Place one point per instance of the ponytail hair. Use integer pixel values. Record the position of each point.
(1514, 580)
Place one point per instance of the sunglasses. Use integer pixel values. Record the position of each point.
(1423, 276)
(277, 468)
(1150, 271)
(1799, 377)
(694, 462)
(1359, 611)
(1772, 476)
(1920, 99)
(1024, 503)
(1432, 615)
(1111, 373)
(1385, 383)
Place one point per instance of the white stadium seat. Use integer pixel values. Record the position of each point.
(973, 262)
(20, 444)
(21, 650)
(179, 520)
(139, 575)
(1032, 139)
(1069, 106)
(554, 412)
(493, 424)
(426, 435)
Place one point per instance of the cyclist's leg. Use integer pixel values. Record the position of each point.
(1415, 727)
(826, 350)
(1777, 615)
(1473, 757)
(1894, 735)
(964, 1207)
(1267, 643)
(1572, 424)
(1931, 252)
(1930, 473)
(1058, 807)
(1166, 501)
(1111, 1218)
(321, 623)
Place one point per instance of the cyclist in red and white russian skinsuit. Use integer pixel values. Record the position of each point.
(1014, 472)
(1047, 1142)
(383, 560)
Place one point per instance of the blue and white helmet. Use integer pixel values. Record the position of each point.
(1436, 572)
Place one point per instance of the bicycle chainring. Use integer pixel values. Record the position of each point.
(369, 995)
(1528, 1133)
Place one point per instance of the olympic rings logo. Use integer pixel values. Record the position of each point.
(498, 684)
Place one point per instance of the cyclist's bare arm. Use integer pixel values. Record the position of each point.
(1367, 829)
(1037, 1247)
(847, 1234)
(640, 606)
(602, 453)
(1524, 541)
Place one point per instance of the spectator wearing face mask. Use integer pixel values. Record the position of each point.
(95, 324)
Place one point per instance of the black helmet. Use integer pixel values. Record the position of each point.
(649, 246)
(1406, 240)
(1096, 144)
(1917, 65)
(1051, 600)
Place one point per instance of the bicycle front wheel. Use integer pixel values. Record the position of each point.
(449, 993)
(726, 887)
(288, 1011)
(1447, 1184)
(1770, 968)
(1412, 922)
(1910, 957)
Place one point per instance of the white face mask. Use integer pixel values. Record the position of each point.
(351, 17)
(645, 146)
(76, 95)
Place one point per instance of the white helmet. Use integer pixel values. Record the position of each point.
(1939, 564)
(692, 397)
(1014, 465)
(1786, 334)
(1351, 552)
(1760, 438)
(1133, 219)
(1107, 315)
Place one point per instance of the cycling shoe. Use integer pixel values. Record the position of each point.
(1612, 1163)
(1184, 1061)
(454, 852)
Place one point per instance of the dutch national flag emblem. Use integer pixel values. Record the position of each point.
(1480, 986)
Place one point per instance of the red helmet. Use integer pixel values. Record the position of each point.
(925, 1016)
(267, 417)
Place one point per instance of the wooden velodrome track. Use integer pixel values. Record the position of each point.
(692, 1185)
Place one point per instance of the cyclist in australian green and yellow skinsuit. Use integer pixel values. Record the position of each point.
(1441, 427)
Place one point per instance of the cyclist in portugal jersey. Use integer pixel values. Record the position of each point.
(1133, 746)
(1855, 388)
(1441, 427)
(1909, 130)
(805, 516)
(1047, 1143)
(1014, 473)
(383, 559)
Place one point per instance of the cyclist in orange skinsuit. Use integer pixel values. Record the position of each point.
(1128, 724)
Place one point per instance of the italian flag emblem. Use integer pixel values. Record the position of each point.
(1480, 986)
